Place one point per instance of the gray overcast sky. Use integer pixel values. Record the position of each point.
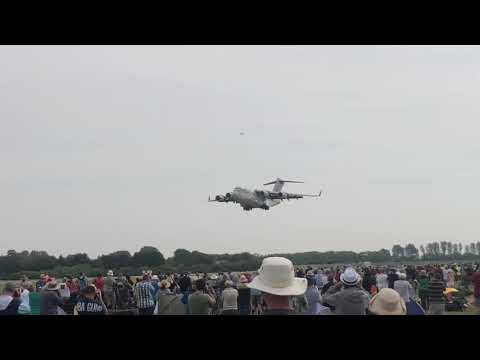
(105, 148)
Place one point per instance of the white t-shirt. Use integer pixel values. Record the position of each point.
(25, 297)
(229, 298)
(382, 281)
(404, 289)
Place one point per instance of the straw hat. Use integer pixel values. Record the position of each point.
(277, 276)
(52, 285)
(350, 277)
(387, 302)
(164, 284)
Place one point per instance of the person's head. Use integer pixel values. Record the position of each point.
(402, 276)
(228, 284)
(9, 288)
(110, 273)
(145, 277)
(52, 285)
(90, 292)
(350, 278)
(276, 277)
(387, 302)
(437, 276)
(310, 281)
(99, 275)
(24, 277)
(164, 284)
(200, 285)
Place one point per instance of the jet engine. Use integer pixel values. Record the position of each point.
(220, 198)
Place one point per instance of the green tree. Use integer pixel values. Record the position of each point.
(411, 251)
(397, 251)
(443, 247)
(114, 260)
(148, 256)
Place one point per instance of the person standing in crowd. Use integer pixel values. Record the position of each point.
(24, 294)
(99, 282)
(41, 283)
(276, 280)
(256, 301)
(381, 279)
(313, 296)
(10, 301)
(436, 301)
(475, 278)
(64, 293)
(200, 302)
(229, 299)
(109, 286)
(82, 281)
(330, 282)
(423, 289)
(404, 288)
(144, 297)
(74, 288)
(90, 302)
(387, 302)
(168, 303)
(450, 277)
(156, 285)
(50, 300)
(352, 299)
(34, 300)
(392, 277)
(185, 284)
(244, 297)
(25, 283)
(368, 280)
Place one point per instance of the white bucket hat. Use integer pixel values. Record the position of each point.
(350, 277)
(277, 276)
(110, 273)
(387, 302)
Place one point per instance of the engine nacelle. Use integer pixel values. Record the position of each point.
(220, 198)
(228, 195)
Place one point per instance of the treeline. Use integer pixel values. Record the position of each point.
(14, 264)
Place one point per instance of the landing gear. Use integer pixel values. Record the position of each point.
(265, 207)
(247, 208)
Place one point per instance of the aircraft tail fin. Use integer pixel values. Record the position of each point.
(278, 184)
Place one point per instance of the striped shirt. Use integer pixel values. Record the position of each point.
(144, 295)
(435, 292)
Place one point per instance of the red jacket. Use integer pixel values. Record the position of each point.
(99, 282)
(476, 283)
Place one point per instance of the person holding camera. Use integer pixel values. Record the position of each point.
(90, 302)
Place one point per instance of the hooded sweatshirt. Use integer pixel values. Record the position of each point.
(349, 301)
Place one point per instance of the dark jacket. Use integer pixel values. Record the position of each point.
(11, 308)
(49, 301)
(348, 301)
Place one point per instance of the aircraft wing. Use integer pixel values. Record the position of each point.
(287, 196)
